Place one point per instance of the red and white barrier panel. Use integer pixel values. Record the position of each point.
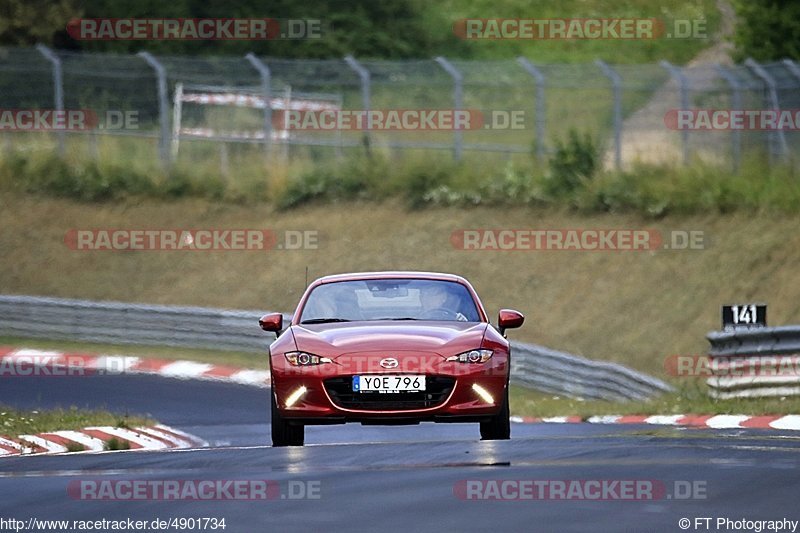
(26, 362)
(97, 439)
(786, 422)
(257, 101)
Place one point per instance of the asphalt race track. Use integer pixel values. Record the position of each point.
(399, 478)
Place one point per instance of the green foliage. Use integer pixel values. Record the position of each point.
(355, 179)
(573, 179)
(656, 191)
(73, 447)
(28, 22)
(573, 163)
(767, 30)
(116, 444)
(366, 28)
(423, 181)
(85, 181)
(92, 181)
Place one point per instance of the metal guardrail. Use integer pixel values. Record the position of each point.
(129, 323)
(557, 372)
(757, 362)
(533, 366)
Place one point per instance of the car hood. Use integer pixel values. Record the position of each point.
(442, 337)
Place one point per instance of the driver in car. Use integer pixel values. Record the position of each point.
(439, 304)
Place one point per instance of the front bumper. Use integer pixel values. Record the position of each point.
(450, 395)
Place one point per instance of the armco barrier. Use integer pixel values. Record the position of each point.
(128, 323)
(755, 362)
(533, 366)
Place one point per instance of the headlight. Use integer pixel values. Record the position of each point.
(472, 356)
(305, 359)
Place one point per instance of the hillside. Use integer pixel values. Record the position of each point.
(633, 307)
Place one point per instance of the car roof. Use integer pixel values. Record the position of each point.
(389, 274)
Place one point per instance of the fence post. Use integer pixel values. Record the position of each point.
(163, 106)
(736, 103)
(266, 92)
(58, 88)
(792, 67)
(539, 104)
(616, 83)
(683, 82)
(772, 92)
(458, 82)
(366, 96)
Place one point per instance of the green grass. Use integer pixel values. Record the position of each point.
(14, 422)
(73, 447)
(226, 358)
(116, 444)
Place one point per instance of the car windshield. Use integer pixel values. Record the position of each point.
(390, 299)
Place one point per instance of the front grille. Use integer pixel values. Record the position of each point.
(437, 389)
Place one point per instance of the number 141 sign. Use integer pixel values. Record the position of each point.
(744, 316)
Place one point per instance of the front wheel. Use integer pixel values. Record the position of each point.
(284, 433)
(499, 426)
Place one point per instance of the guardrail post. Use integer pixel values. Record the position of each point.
(760, 72)
(366, 94)
(266, 93)
(163, 106)
(58, 88)
(683, 82)
(539, 105)
(458, 82)
(736, 103)
(616, 83)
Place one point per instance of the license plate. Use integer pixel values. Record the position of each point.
(388, 383)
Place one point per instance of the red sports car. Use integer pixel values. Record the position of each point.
(389, 348)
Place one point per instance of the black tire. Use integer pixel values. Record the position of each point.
(284, 433)
(499, 427)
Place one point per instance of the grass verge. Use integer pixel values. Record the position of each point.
(15, 422)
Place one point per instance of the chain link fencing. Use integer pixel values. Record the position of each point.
(170, 109)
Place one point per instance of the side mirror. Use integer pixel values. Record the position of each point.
(271, 322)
(509, 319)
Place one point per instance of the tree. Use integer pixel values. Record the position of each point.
(365, 28)
(28, 22)
(767, 30)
